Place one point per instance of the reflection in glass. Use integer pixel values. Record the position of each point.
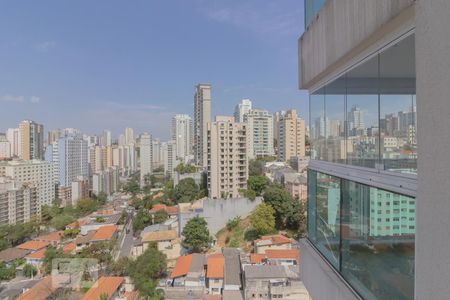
(328, 216)
(335, 150)
(317, 124)
(397, 107)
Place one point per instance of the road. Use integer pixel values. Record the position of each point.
(126, 244)
(16, 286)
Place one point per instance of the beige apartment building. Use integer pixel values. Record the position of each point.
(202, 115)
(18, 202)
(31, 140)
(227, 157)
(291, 133)
(260, 133)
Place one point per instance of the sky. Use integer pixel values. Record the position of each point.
(108, 64)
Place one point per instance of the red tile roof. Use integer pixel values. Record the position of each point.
(33, 245)
(51, 237)
(130, 295)
(40, 291)
(276, 239)
(283, 253)
(104, 233)
(171, 210)
(105, 285)
(256, 258)
(37, 255)
(215, 266)
(69, 247)
(182, 266)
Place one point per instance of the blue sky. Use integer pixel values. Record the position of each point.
(107, 64)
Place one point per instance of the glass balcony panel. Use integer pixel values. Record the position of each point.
(335, 150)
(317, 124)
(362, 114)
(398, 145)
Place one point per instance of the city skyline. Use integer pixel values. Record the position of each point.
(70, 76)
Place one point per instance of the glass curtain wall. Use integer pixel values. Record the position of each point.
(366, 233)
(367, 117)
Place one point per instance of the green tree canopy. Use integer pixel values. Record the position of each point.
(160, 216)
(186, 191)
(185, 168)
(262, 219)
(258, 184)
(29, 270)
(196, 234)
(255, 167)
(141, 220)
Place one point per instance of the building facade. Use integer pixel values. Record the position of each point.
(18, 202)
(227, 158)
(373, 212)
(169, 150)
(291, 135)
(106, 181)
(241, 110)
(260, 133)
(146, 156)
(13, 137)
(31, 140)
(202, 115)
(182, 135)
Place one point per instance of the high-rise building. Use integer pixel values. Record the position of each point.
(227, 157)
(32, 173)
(181, 132)
(129, 136)
(106, 181)
(18, 202)
(53, 135)
(69, 155)
(241, 109)
(80, 189)
(260, 133)
(31, 140)
(146, 156)
(5, 147)
(371, 209)
(13, 137)
(106, 139)
(170, 157)
(157, 160)
(291, 136)
(202, 115)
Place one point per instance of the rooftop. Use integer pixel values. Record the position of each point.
(33, 245)
(104, 285)
(270, 272)
(51, 237)
(40, 291)
(85, 239)
(276, 239)
(215, 266)
(104, 233)
(182, 266)
(69, 247)
(107, 219)
(159, 236)
(283, 253)
(37, 255)
(171, 210)
(12, 254)
(256, 258)
(232, 272)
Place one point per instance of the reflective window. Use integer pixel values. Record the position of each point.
(367, 117)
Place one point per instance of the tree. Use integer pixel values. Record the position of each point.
(185, 168)
(257, 184)
(186, 191)
(141, 220)
(101, 198)
(59, 222)
(29, 270)
(7, 273)
(262, 219)
(49, 255)
(281, 201)
(160, 216)
(86, 206)
(250, 194)
(196, 234)
(132, 187)
(120, 267)
(233, 223)
(100, 251)
(146, 269)
(255, 167)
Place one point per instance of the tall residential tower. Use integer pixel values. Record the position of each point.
(202, 115)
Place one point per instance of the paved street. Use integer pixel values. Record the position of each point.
(127, 242)
(15, 287)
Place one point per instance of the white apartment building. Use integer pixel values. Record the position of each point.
(260, 133)
(202, 115)
(106, 139)
(80, 189)
(241, 110)
(106, 181)
(34, 173)
(170, 157)
(129, 136)
(291, 134)
(146, 156)
(182, 135)
(18, 203)
(13, 137)
(124, 157)
(5, 147)
(227, 157)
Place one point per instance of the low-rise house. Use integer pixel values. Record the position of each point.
(69, 248)
(107, 287)
(36, 258)
(10, 255)
(40, 291)
(167, 242)
(53, 238)
(283, 257)
(215, 274)
(77, 224)
(97, 220)
(172, 211)
(33, 245)
(155, 228)
(273, 282)
(232, 270)
(189, 271)
(104, 233)
(233, 295)
(277, 241)
(257, 258)
(83, 241)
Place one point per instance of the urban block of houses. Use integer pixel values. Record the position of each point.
(189, 271)
(266, 242)
(40, 291)
(95, 221)
(167, 242)
(10, 255)
(33, 245)
(53, 238)
(104, 233)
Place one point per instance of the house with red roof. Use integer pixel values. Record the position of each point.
(283, 257)
(53, 238)
(189, 271)
(215, 274)
(36, 258)
(276, 241)
(40, 291)
(108, 287)
(33, 245)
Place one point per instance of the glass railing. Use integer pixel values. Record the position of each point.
(367, 116)
(312, 8)
(367, 234)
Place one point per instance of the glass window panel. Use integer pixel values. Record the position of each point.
(378, 229)
(317, 125)
(362, 114)
(335, 150)
(327, 215)
(397, 107)
(312, 179)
